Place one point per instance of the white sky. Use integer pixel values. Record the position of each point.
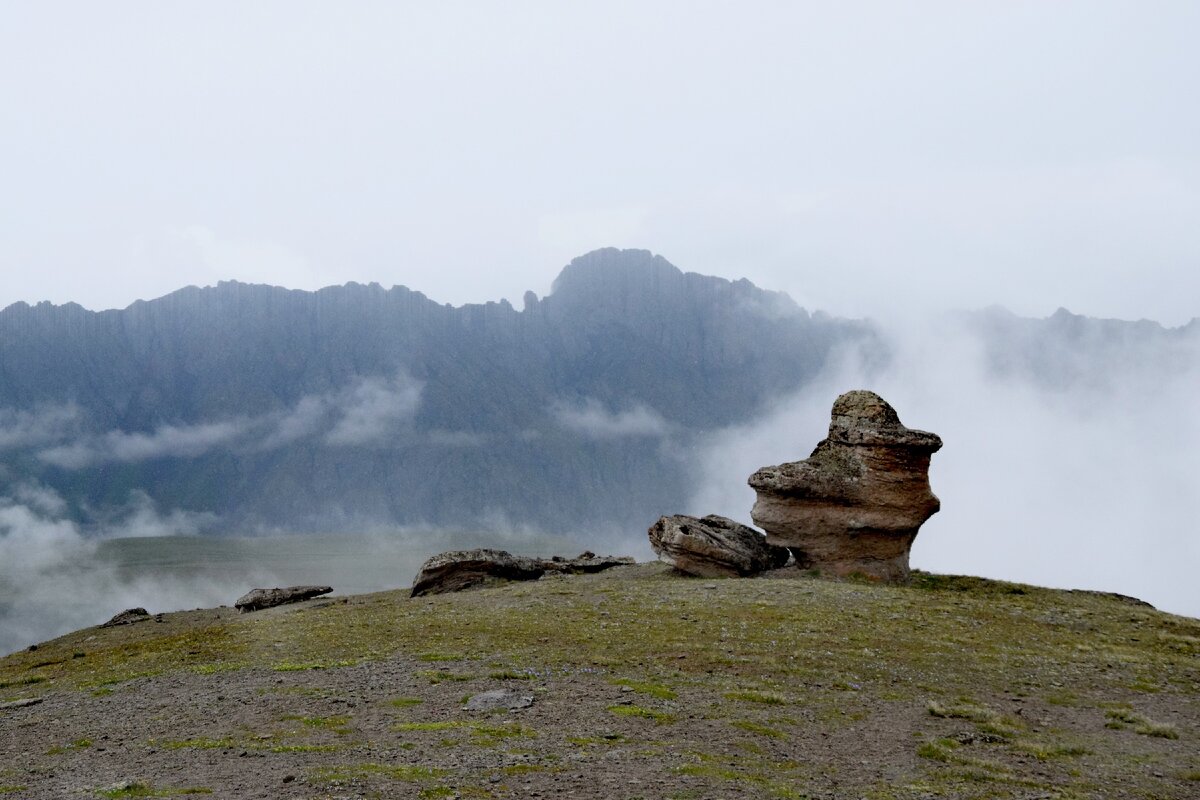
(864, 157)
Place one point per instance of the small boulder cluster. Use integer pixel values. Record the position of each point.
(853, 507)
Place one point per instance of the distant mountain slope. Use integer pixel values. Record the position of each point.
(356, 405)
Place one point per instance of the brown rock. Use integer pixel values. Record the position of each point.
(456, 570)
(713, 546)
(855, 504)
(257, 599)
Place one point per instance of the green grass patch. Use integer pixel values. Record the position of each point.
(29, 681)
(412, 773)
(758, 728)
(510, 675)
(405, 702)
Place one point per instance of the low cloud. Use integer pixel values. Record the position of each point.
(593, 420)
(369, 411)
(374, 410)
(39, 426)
(167, 441)
(57, 579)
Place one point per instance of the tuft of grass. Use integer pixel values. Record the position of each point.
(510, 675)
(405, 702)
(1122, 718)
(443, 725)
(11, 789)
(761, 730)
(78, 744)
(436, 676)
(29, 681)
(660, 717)
(337, 724)
(765, 698)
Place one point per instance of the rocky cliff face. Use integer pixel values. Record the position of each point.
(358, 404)
(855, 504)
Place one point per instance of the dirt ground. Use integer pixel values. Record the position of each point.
(669, 725)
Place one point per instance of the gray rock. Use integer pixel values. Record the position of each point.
(456, 570)
(128, 617)
(855, 504)
(713, 546)
(257, 599)
(498, 699)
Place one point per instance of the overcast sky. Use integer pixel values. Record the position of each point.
(863, 157)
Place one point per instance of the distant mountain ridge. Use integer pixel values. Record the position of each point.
(240, 406)
(353, 404)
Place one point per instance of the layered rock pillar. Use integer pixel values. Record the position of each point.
(856, 503)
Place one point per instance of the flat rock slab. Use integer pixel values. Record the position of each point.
(257, 599)
(128, 617)
(499, 700)
(456, 570)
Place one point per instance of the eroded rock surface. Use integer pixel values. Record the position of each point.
(456, 570)
(257, 599)
(713, 546)
(855, 504)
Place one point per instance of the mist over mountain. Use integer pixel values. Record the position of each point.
(262, 408)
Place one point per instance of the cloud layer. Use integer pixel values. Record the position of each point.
(1082, 485)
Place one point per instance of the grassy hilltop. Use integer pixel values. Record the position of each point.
(645, 685)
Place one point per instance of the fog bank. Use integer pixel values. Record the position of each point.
(1090, 483)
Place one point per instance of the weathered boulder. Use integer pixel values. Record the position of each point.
(456, 570)
(128, 617)
(498, 700)
(713, 546)
(855, 504)
(257, 599)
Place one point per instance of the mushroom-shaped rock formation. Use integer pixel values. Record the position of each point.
(713, 547)
(855, 504)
